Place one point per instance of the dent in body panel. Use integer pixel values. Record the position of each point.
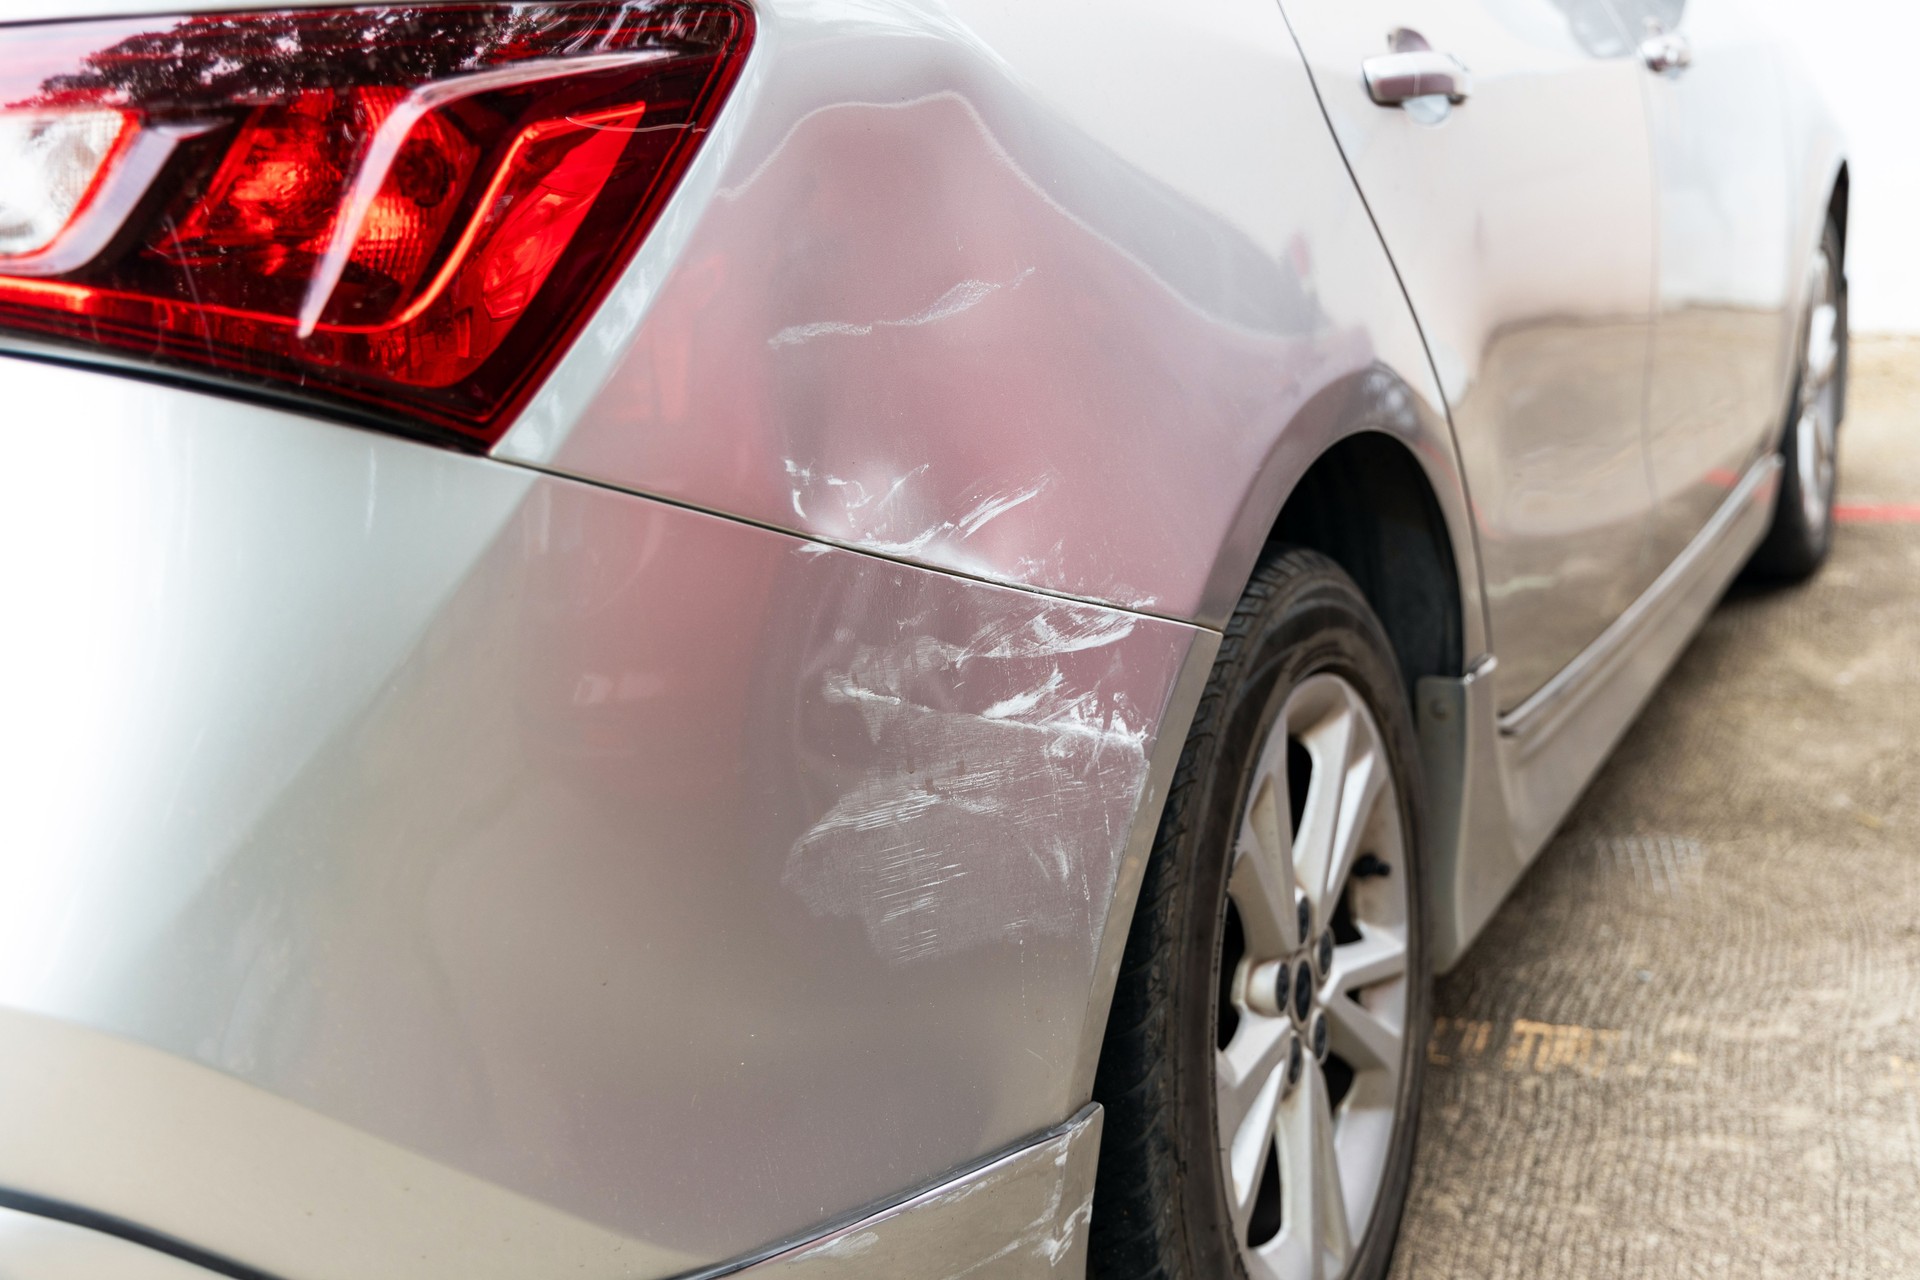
(922, 280)
(968, 293)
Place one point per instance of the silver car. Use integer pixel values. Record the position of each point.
(837, 638)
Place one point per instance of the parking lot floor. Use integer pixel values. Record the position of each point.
(1689, 1045)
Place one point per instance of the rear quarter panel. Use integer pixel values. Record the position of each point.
(1062, 295)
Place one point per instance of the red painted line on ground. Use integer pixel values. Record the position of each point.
(1879, 513)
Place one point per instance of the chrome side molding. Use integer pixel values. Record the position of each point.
(1552, 744)
(1554, 701)
(1503, 783)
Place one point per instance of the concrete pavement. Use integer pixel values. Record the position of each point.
(1690, 1043)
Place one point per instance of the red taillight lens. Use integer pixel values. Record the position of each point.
(408, 210)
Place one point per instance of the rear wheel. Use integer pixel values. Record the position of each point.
(1802, 532)
(1261, 1069)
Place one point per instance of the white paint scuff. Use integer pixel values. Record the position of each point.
(963, 296)
(871, 514)
(1001, 773)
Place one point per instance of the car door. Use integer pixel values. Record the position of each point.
(1724, 230)
(1521, 222)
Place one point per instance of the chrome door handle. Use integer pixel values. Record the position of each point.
(1666, 52)
(1394, 78)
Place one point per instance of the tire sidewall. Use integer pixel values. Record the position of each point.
(1792, 549)
(1317, 622)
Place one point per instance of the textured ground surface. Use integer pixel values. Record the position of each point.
(1690, 1043)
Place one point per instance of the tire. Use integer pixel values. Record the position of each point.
(1797, 543)
(1181, 1192)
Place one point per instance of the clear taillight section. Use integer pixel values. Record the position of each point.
(404, 209)
(50, 162)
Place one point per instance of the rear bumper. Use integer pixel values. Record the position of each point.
(91, 1119)
(140, 1145)
(501, 869)
(1020, 1214)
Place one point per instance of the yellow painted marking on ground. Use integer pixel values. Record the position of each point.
(1538, 1047)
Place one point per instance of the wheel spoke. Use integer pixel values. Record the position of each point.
(1249, 1075)
(1365, 783)
(1379, 956)
(1262, 881)
(1823, 345)
(1330, 742)
(1363, 1134)
(1361, 1036)
(1313, 1200)
(1330, 1200)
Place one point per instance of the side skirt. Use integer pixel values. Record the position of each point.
(1509, 780)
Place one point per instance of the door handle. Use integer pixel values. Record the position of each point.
(1394, 78)
(1666, 52)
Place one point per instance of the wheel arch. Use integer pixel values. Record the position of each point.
(1366, 505)
(1367, 474)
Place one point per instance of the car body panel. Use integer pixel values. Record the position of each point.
(944, 285)
(1816, 150)
(1023, 1214)
(288, 1192)
(1729, 266)
(1504, 783)
(654, 867)
(704, 834)
(1530, 279)
(149, 1145)
(43, 1248)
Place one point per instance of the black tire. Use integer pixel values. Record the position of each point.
(1159, 1208)
(1797, 544)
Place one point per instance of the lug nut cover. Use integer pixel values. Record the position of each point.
(1269, 988)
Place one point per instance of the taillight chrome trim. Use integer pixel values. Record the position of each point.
(384, 148)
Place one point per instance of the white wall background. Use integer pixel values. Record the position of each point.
(1862, 53)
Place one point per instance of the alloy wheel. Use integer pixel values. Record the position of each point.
(1311, 1043)
(1817, 423)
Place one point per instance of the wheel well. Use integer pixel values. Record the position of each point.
(1366, 505)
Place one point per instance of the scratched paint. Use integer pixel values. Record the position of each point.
(895, 515)
(1005, 766)
(1021, 1217)
(961, 297)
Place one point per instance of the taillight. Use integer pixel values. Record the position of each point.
(406, 210)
